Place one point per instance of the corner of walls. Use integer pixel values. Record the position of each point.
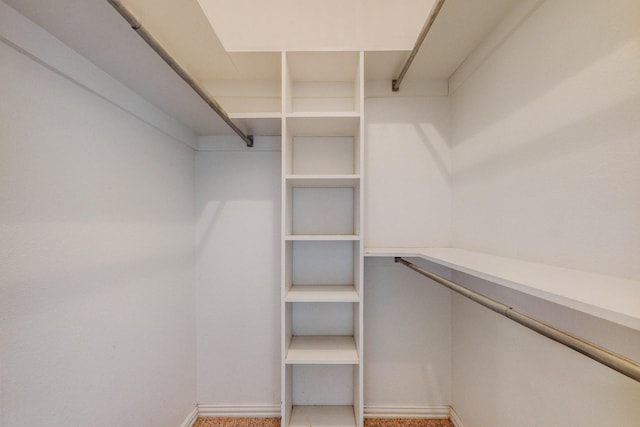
(191, 418)
(96, 226)
(544, 137)
(407, 166)
(545, 169)
(515, 16)
(455, 418)
(238, 276)
(410, 89)
(28, 38)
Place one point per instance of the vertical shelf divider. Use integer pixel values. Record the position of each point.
(321, 242)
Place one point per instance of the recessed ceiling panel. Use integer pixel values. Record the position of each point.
(315, 25)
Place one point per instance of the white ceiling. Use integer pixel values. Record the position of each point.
(235, 46)
(316, 25)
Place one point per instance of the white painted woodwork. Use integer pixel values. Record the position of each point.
(322, 211)
(323, 181)
(608, 297)
(322, 293)
(322, 416)
(324, 262)
(322, 349)
(323, 155)
(323, 124)
(322, 318)
(322, 237)
(311, 383)
(197, 37)
(322, 258)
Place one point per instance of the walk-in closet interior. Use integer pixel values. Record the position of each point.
(320, 211)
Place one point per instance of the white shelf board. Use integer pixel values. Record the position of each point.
(322, 237)
(322, 114)
(612, 298)
(262, 124)
(322, 349)
(323, 124)
(323, 181)
(322, 416)
(322, 293)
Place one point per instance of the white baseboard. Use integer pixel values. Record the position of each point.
(370, 411)
(258, 411)
(379, 411)
(455, 418)
(191, 418)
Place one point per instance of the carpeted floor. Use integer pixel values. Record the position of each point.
(275, 422)
(237, 422)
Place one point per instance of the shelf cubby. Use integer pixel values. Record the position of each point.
(322, 318)
(322, 211)
(321, 263)
(323, 82)
(322, 248)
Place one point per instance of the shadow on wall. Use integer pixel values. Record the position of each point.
(407, 346)
(572, 69)
(602, 127)
(441, 159)
(235, 192)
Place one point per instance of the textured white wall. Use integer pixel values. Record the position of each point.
(545, 141)
(238, 275)
(545, 168)
(97, 291)
(407, 172)
(407, 339)
(407, 203)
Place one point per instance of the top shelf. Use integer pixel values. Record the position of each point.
(607, 297)
(316, 82)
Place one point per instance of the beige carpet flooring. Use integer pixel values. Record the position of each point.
(275, 422)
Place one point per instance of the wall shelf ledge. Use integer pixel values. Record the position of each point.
(608, 297)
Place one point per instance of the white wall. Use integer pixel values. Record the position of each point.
(407, 341)
(407, 172)
(407, 203)
(96, 230)
(238, 274)
(545, 168)
(545, 135)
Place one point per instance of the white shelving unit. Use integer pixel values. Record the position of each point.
(322, 249)
(607, 297)
(253, 102)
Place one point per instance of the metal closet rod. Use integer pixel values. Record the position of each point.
(435, 10)
(615, 361)
(156, 46)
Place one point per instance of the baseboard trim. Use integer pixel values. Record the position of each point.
(191, 418)
(455, 418)
(258, 411)
(379, 411)
(370, 411)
